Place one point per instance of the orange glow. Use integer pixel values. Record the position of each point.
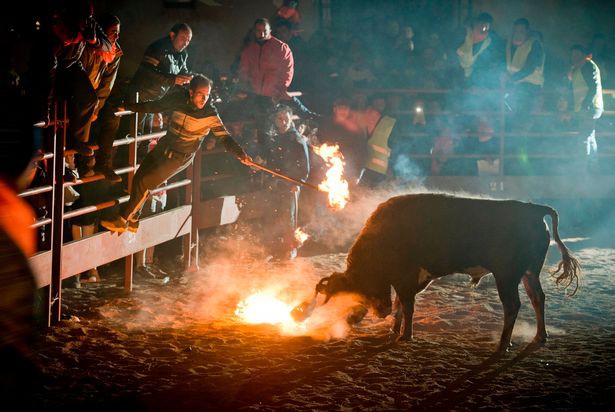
(301, 236)
(334, 183)
(264, 307)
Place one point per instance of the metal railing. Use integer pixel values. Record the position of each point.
(50, 264)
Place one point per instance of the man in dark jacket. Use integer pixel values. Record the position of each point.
(164, 65)
(284, 150)
(192, 118)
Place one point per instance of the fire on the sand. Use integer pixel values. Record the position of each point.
(264, 307)
(334, 183)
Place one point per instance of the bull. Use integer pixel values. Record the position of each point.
(410, 240)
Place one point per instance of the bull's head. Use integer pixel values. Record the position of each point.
(376, 295)
(332, 285)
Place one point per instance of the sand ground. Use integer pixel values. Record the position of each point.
(179, 345)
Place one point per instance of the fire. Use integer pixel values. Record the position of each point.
(334, 183)
(264, 307)
(301, 236)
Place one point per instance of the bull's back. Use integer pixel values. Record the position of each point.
(448, 233)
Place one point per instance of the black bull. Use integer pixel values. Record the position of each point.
(411, 240)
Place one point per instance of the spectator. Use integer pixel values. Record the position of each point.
(56, 71)
(285, 151)
(102, 67)
(481, 55)
(525, 60)
(266, 69)
(584, 76)
(524, 79)
(90, 194)
(163, 66)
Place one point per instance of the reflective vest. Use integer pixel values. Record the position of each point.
(466, 57)
(378, 151)
(516, 61)
(580, 88)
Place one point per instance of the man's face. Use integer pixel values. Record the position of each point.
(181, 40)
(262, 32)
(113, 33)
(480, 31)
(283, 121)
(577, 57)
(519, 34)
(199, 96)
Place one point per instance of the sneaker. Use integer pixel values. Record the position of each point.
(119, 224)
(145, 272)
(133, 226)
(109, 174)
(157, 270)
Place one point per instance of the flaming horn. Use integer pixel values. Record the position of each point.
(304, 310)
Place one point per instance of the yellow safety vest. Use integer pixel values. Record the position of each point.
(466, 57)
(378, 151)
(516, 61)
(580, 88)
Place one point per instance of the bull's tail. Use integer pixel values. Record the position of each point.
(568, 270)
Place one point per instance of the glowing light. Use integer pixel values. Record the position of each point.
(300, 236)
(264, 307)
(334, 183)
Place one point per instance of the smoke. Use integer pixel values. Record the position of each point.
(407, 170)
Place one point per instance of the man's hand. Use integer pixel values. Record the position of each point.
(246, 159)
(89, 30)
(182, 79)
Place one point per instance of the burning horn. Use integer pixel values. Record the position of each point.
(321, 287)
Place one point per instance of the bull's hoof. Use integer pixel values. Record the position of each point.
(539, 340)
(503, 348)
(405, 338)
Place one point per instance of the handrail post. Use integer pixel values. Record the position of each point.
(57, 220)
(502, 129)
(193, 197)
(132, 161)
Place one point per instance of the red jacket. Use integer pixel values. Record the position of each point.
(268, 68)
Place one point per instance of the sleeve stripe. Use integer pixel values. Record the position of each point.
(151, 60)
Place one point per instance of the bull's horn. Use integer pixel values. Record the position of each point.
(322, 284)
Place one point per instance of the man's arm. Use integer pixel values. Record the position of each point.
(153, 57)
(286, 71)
(169, 102)
(108, 80)
(534, 60)
(591, 75)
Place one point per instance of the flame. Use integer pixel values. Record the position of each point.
(264, 307)
(334, 183)
(300, 236)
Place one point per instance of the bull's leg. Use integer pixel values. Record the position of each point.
(507, 285)
(397, 315)
(407, 305)
(531, 282)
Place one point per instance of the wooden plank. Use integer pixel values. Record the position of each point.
(527, 187)
(228, 209)
(105, 247)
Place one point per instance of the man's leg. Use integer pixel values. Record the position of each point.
(82, 103)
(157, 167)
(108, 126)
